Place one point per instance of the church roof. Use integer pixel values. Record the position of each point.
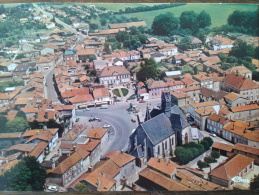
(137, 152)
(158, 128)
(176, 110)
(178, 122)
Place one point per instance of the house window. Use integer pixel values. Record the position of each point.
(172, 141)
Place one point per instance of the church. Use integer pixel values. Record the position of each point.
(162, 130)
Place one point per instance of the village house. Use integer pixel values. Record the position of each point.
(236, 165)
(114, 75)
(50, 136)
(242, 70)
(193, 92)
(241, 132)
(245, 113)
(215, 123)
(49, 48)
(204, 80)
(234, 99)
(242, 85)
(180, 98)
(219, 43)
(39, 151)
(70, 168)
(110, 173)
(201, 115)
(45, 63)
(249, 151)
(107, 32)
(195, 106)
(155, 88)
(9, 139)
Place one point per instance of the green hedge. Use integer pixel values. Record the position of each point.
(190, 151)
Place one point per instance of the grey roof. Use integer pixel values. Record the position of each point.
(158, 128)
(178, 122)
(137, 152)
(176, 110)
(196, 134)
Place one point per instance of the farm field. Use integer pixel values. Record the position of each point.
(219, 12)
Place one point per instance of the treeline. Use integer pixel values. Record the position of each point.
(243, 22)
(147, 8)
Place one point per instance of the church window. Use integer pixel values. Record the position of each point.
(172, 141)
(158, 150)
(166, 145)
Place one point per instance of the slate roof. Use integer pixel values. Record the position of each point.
(137, 152)
(157, 128)
(178, 122)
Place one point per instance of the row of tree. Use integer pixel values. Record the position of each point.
(148, 8)
(208, 160)
(190, 151)
(164, 24)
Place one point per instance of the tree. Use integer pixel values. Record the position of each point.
(27, 175)
(209, 140)
(194, 151)
(201, 164)
(185, 43)
(52, 124)
(134, 30)
(209, 159)
(148, 70)
(121, 36)
(103, 21)
(3, 121)
(34, 124)
(188, 19)
(204, 19)
(241, 49)
(18, 124)
(107, 48)
(254, 184)
(205, 144)
(92, 58)
(256, 55)
(19, 56)
(200, 148)
(80, 187)
(214, 154)
(163, 24)
(188, 69)
(20, 113)
(183, 155)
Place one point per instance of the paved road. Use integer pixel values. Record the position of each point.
(49, 90)
(66, 26)
(118, 117)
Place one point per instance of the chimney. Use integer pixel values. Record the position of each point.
(98, 182)
(6, 160)
(103, 174)
(53, 164)
(245, 130)
(38, 132)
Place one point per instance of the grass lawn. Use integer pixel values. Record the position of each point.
(124, 91)
(116, 92)
(218, 12)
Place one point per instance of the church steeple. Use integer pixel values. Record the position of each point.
(166, 103)
(148, 116)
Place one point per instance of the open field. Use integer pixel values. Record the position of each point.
(219, 12)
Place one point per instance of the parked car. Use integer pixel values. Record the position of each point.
(106, 126)
(133, 120)
(142, 101)
(213, 134)
(104, 107)
(53, 188)
(87, 109)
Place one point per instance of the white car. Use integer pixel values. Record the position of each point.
(106, 126)
(87, 109)
(53, 188)
(213, 134)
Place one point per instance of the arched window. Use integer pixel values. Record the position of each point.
(158, 150)
(165, 145)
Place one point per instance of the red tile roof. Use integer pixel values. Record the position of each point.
(81, 98)
(119, 157)
(245, 108)
(248, 149)
(96, 133)
(231, 167)
(162, 165)
(75, 92)
(222, 146)
(38, 149)
(239, 82)
(163, 181)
